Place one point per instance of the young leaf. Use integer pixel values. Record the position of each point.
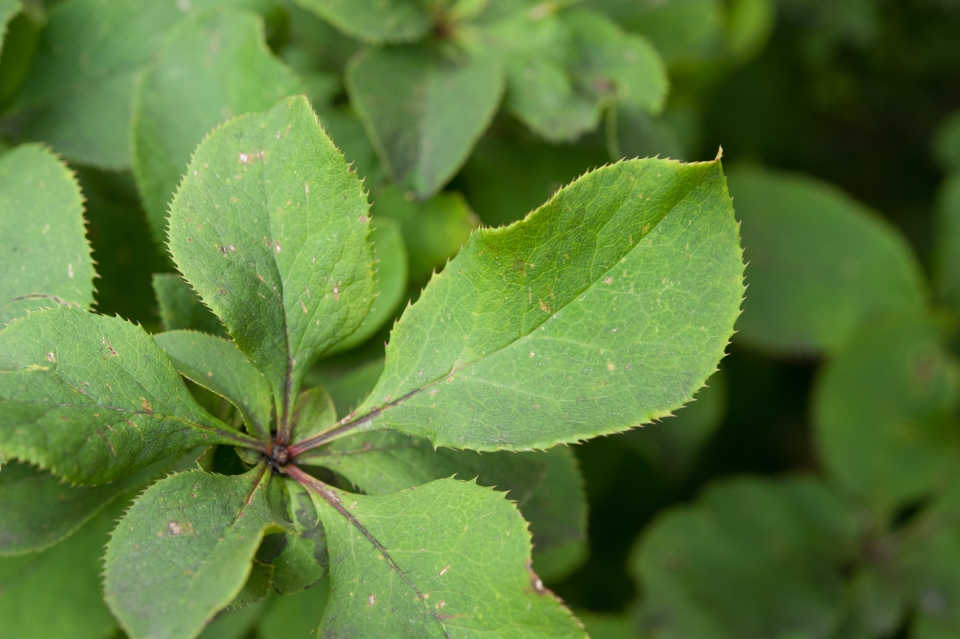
(41, 510)
(375, 21)
(546, 485)
(78, 95)
(390, 255)
(781, 546)
(93, 398)
(447, 558)
(946, 274)
(211, 66)
(181, 309)
(299, 558)
(8, 9)
(218, 366)
(884, 411)
(270, 227)
(433, 231)
(57, 593)
(195, 535)
(424, 108)
(821, 264)
(645, 310)
(42, 235)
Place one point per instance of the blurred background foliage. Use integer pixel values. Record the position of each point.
(810, 490)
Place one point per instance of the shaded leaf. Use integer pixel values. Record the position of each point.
(79, 92)
(376, 21)
(946, 271)
(195, 534)
(780, 545)
(458, 566)
(235, 623)
(299, 558)
(256, 588)
(821, 264)
(42, 235)
(645, 310)
(211, 66)
(217, 365)
(296, 616)
(424, 108)
(506, 178)
(946, 142)
(390, 289)
(270, 227)
(181, 309)
(673, 445)
(57, 593)
(632, 133)
(93, 398)
(884, 410)
(41, 510)
(348, 385)
(433, 230)
(315, 413)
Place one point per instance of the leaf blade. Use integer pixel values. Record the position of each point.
(437, 379)
(286, 264)
(102, 390)
(42, 233)
(196, 534)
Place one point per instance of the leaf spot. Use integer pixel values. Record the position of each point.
(371, 600)
(70, 271)
(442, 572)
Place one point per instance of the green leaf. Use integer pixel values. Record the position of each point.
(315, 413)
(673, 445)
(348, 383)
(506, 178)
(299, 558)
(562, 68)
(946, 142)
(632, 133)
(482, 360)
(180, 308)
(607, 626)
(424, 108)
(256, 588)
(93, 398)
(782, 546)
(296, 616)
(195, 535)
(884, 410)
(946, 271)
(684, 32)
(749, 24)
(390, 290)
(57, 593)
(546, 485)
(42, 235)
(212, 66)
(433, 230)
(78, 95)
(8, 9)
(270, 227)
(218, 366)
(821, 264)
(375, 21)
(40, 510)
(448, 558)
(235, 623)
